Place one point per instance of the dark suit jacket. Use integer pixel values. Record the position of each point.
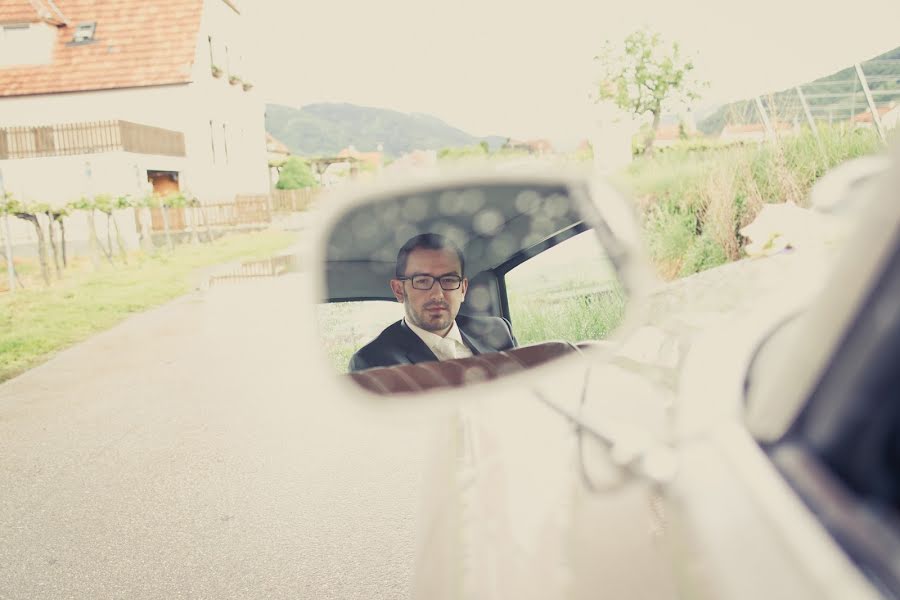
(399, 345)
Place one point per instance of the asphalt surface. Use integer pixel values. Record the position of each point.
(191, 452)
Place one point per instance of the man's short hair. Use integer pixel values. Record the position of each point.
(427, 241)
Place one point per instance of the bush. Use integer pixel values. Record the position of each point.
(296, 174)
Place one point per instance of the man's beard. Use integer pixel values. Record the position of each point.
(422, 321)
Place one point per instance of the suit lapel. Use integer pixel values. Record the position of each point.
(474, 344)
(418, 351)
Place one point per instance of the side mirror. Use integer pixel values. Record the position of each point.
(460, 278)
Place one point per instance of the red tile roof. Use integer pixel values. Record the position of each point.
(866, 117)
(276, 146)
(667, 133)
(136, 44)
(30, 11)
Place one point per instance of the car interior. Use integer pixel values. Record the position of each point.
(498, 228)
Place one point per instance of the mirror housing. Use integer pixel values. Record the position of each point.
(497, 220)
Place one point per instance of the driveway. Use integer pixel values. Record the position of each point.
(187, 453)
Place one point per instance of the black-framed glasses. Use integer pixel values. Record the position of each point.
(426, 282)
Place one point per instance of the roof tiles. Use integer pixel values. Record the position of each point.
(136, 44)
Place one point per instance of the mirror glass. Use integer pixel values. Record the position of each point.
(450, 285)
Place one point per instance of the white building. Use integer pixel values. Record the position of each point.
(127, 96)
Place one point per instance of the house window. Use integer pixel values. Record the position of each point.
(84, 32)
(212, 141)
(225, 141)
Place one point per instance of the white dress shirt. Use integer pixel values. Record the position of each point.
(445, 348)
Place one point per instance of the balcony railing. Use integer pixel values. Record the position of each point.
(88, 138)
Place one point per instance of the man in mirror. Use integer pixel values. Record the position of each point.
(429, 280)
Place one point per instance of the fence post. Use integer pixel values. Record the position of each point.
(10, 269)
(765, 118)
(876, 118)
(810, 120)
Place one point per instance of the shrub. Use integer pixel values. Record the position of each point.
(296, 174)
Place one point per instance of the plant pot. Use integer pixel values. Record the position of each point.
(217, 72)
(248, 87)
(234, 80)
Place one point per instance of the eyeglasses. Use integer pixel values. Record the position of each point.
(426, 282)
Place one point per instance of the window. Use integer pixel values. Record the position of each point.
(84, 32)
(212, 141)
(569, 292)
(345, 327)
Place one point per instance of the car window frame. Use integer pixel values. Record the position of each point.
(809, 454)
(525, 255)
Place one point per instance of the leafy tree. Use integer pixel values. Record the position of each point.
(296, 174)
(646, 76)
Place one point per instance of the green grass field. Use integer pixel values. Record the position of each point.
(694, 202)
(38, 321)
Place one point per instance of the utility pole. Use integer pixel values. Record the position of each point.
(876, 118)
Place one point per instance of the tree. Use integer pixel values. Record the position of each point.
(29, 212)
(646, 76)
(295, 174)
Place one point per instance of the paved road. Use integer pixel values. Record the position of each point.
(188, 453)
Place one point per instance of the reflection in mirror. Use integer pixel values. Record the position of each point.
(449, 286)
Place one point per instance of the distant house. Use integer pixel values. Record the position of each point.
(417, 159)
(887, 114)
(374, 160)
(754, 132)
(277, 153)
(539, 147)
(125, 97)
(276, 149)
(891, 119)
(667, 135)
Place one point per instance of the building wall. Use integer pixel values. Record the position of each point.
(245, 169)
(189, 108)
(58, 180)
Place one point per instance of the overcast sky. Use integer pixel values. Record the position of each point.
(524, 69)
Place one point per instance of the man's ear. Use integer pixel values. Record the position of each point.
(464, 287)
(397, 288)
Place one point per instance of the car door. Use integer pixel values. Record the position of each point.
(788, 480)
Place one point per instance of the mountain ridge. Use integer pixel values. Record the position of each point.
(326, 128)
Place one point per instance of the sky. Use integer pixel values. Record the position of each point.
(525, 69)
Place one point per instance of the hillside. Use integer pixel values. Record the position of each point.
(322, 129)
(836, 95)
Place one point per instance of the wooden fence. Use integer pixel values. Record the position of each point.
(293, 200)
(85, 138)
(272, 267)
(245, 210)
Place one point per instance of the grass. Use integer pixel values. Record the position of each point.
(561, 313)
(574, 318)
(39, 321)
(694, 202)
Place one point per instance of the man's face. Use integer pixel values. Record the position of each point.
(435, 309)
